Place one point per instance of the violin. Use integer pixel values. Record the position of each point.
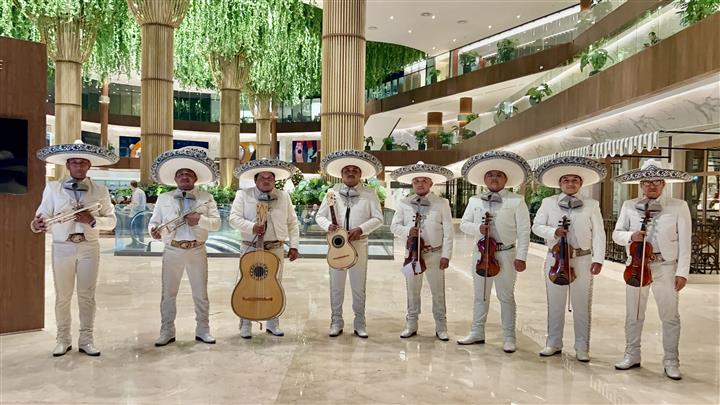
(414, 246)
(561, 273)
(636, 274)
(487, 265)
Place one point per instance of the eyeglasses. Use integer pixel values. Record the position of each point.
(655, 183)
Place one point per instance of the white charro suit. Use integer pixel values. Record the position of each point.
(437, 232)
(366, 213)
(586, 233)
(511, 227)
(670, 234)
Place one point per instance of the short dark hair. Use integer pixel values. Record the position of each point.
(134, 184)
(258, 173)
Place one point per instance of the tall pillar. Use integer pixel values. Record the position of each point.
(465, 110)
(263, 131)
(434, 126)
(343, 80)
(158, 20)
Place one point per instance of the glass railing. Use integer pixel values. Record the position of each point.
(532, 37)
(132, 238)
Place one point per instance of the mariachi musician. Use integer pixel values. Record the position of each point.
(182, 218)
(509, 228)
(358, 211)
(76, 250)
(282, 223)
(436, 230)
(670, 235)
(585, 244)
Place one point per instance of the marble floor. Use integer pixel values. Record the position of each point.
(308, 367)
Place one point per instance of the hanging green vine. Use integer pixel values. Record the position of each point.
(382, 59)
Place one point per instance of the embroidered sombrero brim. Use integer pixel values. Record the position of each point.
(590, 171)
(653, 173)
(282, 170)
(193, 158)
(516, 168)
(59, 154)
(333, 163)
(437, 174)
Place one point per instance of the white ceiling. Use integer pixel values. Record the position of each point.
(393, 19)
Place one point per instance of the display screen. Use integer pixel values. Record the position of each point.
(13, 156)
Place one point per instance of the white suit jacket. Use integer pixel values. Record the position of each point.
(365, 211)
(670, 232)
(510, 217)
(57, 200)
(168, 208)
(282, 219)
(586, 225)
(437, 226)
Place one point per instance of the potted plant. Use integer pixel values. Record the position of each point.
(467, 60)
(388, 142)
(369, 141)
(506, 50)
(432, 75)
(538, 92)
(503, 111)
(446, 139)
(596, 57)
(693, 11)
(310, 191)
(462, 132)
(421, 138)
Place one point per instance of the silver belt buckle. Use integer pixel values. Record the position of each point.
(76, 238)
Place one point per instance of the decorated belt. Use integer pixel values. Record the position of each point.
(658, 258)
(186, 244)
(577, 252)
(430, 249)
(268, 245)
(76, 237)
(502, 247)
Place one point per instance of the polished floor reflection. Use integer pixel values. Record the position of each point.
(308, 366)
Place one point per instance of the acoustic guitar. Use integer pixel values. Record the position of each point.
(259, 295)
(341, 254)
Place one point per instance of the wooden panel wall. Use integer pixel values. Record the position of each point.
(23, 74)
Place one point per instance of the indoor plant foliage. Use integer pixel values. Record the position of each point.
(421, 138)
(376, 185)
(369, 141)
(506, 50)
(468, 60)
(693, 11)
(381, 59)
(389, 142)
(504, 110)
(537, 93)
(310, 191)
(432, 75)
(446, 138)
(463, 132)
(595, 56)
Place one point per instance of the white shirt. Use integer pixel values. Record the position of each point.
(586, 225)
(436, 228)
(168, 208)
(670, 231)
(138, 201)
(510, 222)
(58, 200)
(365, 211)
(282, 220)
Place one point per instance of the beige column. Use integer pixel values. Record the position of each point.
(263, 118)
(343, 79)
(158, 20)
(434, 126)
(465, 110)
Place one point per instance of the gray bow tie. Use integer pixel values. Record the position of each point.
(74, 185)
(184, 195)
(349, 192)
(649, 204)
(421, 204)
(266, 197)
(491, 196)
(570, 202)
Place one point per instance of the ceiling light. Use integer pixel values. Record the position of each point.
(489, 27)
(392, 17)
(462, 21)
(433, 48)
(518, 16)
(425, 14)
(454, 39)
(409, 31)
(433, 17)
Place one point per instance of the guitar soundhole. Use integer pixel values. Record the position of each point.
(338, 241)
(258, 271)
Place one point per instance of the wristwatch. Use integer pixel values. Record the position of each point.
(93, 223)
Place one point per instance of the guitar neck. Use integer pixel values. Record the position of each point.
(332, 215)
(260, 244)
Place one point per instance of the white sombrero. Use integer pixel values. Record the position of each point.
(437, 174)
(516, 168)
(653, 170)
(190, 157)
(59, 154)
(282, 170)
(333, 163)
(590, 171)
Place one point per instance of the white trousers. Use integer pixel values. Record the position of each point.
(580, 302)
(666, 298)
(175, 262)
(280, 253)
(71, 262)
(436, 279)
(504, 288)
(358, 277)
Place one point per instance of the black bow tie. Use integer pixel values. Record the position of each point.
(491, 197)
(184, 195)
(570, 202)
(74, 185)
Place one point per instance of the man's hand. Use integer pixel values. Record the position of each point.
(293, 254)
(595, 268)
(519, 265)
(560, 232)
(192, 219)
(637, 236)
(155, 233)
(355, 234)
(414, 232)
(84, 217)
(333, 228)
(39, 224)
(484, 229)
(444, 263)
(258, 229)
(680, 283)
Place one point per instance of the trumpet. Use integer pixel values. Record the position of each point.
(179, 221)
(69, 216)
